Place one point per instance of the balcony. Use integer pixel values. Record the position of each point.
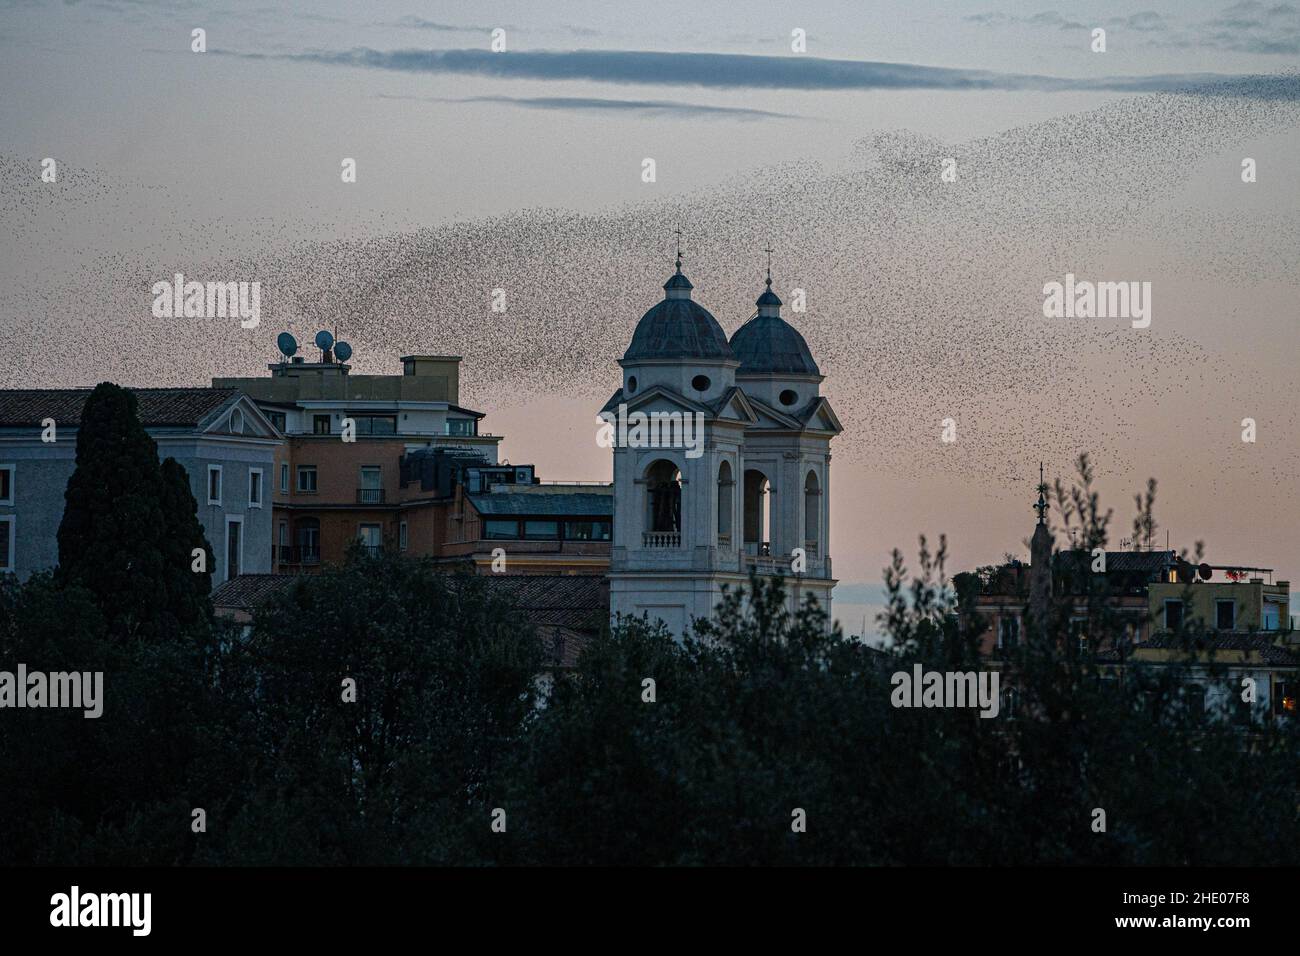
(661, 539)
(370, 496)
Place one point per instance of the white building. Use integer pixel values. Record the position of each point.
(690, 519)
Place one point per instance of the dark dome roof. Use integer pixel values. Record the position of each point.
(678, 328)
(768, 344)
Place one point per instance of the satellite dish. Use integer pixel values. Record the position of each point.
(1205, 571)
(287, 344)
(324, 340)
(342, 351)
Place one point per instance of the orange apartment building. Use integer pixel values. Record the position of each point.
(395, 462)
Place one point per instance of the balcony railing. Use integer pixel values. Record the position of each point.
(661, 539)
(766, 564)
(370, 496)
(295, 554)
(724, 542)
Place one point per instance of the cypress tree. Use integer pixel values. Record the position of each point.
(187, 589)
(111, 540)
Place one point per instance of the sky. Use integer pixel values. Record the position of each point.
(522, 170)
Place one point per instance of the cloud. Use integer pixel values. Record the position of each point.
(595, 104)
(1245, 27)
(735, 71)
(420, 23)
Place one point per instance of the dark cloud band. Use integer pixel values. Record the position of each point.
(734, 71)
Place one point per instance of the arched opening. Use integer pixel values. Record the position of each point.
(726, 486)
(812, 512)
(758, 513)
(663, 506)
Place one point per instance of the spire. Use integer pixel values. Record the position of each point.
(768, 303)
(1040, 559)
(1041, 506)
(678, 286)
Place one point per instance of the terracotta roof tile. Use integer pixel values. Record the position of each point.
(157, 406)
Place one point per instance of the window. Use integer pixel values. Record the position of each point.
(501, 529)
(1079, 633)
(371, 536)
(542, 530)
(7, 523)
(1008, 633)
(234, 546)
(1173, 615)
(7, 484)
(631, 384)
(1194, 701)
(788, 396)
(588, 530)
(1284, 697)
(255, 487)
(277, 419)
(701, 383)
(1242, 713)
(283, 551)
(460, 426)
(376, 424)
(236, 422)
(306, 479)
(308, 534)
(1225, 615)
(320, 424)
(214, 484)
(402, 538)
(284, 477)
(1010, 703)
(371, 491)
(1272, 620)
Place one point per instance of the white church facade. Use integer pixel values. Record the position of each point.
(750, 492)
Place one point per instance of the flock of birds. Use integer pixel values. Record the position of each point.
(924, 296)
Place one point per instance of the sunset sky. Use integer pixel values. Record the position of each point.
(522, 170)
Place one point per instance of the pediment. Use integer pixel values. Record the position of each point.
(660, 399)
(769, 417)
(243, 414)
(821, 417)
(735, 406)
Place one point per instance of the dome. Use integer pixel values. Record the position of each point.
(769, 345)
(678, 328)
